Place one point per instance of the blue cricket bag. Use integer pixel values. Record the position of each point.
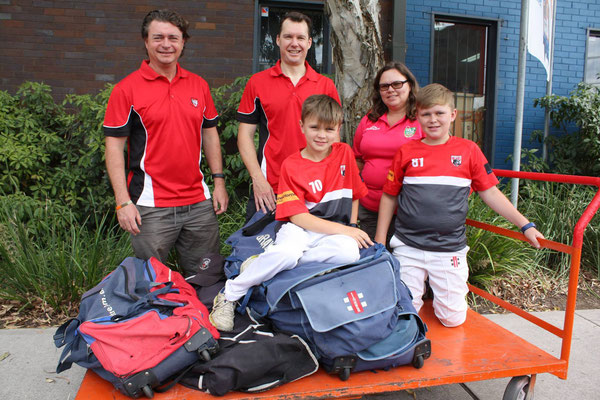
(355, 317)
(138, 328)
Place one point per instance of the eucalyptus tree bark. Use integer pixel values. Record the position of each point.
(357, 56)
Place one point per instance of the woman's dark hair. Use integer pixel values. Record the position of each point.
(379, 108)
(169, 16)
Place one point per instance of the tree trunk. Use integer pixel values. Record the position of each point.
(357, 56)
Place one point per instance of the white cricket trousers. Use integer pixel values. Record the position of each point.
(448, 273)
(292, 245)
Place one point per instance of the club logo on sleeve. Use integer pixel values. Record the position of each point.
(354, 301)
(194, 102)
(286, 196)
(410, 131)
(343, 169)
(390, 176)
(456, 160)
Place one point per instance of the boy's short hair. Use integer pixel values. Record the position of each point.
(324, 108)
(435, 94)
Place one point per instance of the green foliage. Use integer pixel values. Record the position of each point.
(492, 255)
(556, 208)
(54, 151)
(232, 220)
(45, 253)
(227, 99)
(577, 152)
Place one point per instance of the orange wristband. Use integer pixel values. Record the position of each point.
(117, 208)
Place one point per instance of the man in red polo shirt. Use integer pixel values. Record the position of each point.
(273, 100)
(167, 117)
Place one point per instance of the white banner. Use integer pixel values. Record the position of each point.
(540, 31)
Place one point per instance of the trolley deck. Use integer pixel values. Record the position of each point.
(478, 350)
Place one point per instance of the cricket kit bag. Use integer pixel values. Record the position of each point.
(355, 317)
(252, 358)
(138, 328)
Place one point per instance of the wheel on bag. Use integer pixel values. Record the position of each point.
(418, 362)
(148, 392)
(517, 389)
(344, 374)
(205, 355)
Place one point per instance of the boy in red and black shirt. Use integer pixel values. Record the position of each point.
(318, 194)
(429, 183)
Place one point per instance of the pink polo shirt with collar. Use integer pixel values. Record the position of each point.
(376, 143)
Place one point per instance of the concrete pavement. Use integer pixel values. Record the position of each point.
(28, 359)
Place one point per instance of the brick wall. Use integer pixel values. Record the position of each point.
(79, 46)
(572, 20)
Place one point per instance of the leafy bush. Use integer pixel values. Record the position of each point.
(54, 151)
(577, 152)
(227, 99)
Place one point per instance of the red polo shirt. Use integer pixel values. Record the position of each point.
(271, 101)
(163, 122)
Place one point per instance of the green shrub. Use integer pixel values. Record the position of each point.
(576, 152)
(52, 151)
(227, 99)
(556, 208)
(492, 255)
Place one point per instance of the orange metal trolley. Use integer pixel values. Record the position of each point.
(477, 350)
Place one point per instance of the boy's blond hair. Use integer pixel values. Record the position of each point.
(325, 109)
(435, 94)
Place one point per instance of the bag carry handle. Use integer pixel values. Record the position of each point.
(65, 334)
(149, 299)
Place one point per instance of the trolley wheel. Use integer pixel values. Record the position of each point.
(205, 355)
(517, 389)
(418, 362)
(344, 374)
(148, 392)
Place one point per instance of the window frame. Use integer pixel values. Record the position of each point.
(495, 26)
(591, 32)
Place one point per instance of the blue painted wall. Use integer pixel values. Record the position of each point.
(573, 18)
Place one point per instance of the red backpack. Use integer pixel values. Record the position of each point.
(143, 324)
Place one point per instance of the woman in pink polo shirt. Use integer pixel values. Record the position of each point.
(389, 124)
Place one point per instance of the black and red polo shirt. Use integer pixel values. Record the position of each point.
(163, 122)
(325, 189)
(433, 184)
(272, 102)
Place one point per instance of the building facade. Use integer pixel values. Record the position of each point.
(470, 46)
(484, 34)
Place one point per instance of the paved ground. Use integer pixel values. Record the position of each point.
(28, 359)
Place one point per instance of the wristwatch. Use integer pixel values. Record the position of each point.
(222, 176)
(527, 226)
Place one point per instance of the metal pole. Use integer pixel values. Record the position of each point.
(399, 45)
(520, 99)
(549, 84)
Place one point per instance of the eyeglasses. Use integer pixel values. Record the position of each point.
(396, 85)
